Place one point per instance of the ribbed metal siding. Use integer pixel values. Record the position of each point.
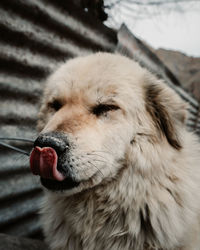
(35, 37)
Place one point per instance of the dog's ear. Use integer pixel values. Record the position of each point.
(167, 110)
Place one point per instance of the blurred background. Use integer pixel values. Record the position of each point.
(169, 27)
(36, 36)
(171, 24)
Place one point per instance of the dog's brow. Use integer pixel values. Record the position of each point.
(106, 100)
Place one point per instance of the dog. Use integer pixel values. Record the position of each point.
(119, 168)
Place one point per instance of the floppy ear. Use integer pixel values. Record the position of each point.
(167, 110)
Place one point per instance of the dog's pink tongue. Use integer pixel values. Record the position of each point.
(43, 162)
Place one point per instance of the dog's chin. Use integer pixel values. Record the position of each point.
(69, 186)
(53, 185)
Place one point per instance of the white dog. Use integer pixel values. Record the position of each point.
(119, 168)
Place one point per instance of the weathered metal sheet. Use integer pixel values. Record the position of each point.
(35, 37)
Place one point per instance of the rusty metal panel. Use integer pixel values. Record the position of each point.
(35, 37)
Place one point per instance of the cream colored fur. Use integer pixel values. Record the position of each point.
(137, 191)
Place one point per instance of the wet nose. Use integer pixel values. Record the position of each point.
(55, 140)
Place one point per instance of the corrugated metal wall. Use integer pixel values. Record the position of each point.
(35, 37)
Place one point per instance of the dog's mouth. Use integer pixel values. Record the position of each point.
(66, 184)
(44, 162)
(53, 159)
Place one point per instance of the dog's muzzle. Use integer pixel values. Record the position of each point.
(47, 160)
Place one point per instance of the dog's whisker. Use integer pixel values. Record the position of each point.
(102, 156)
(108, 164)
(16, 139)
(85, 173)
(106, 161)
(95, 151)
(14, 148)
(102, 159)
(96, 168)
(23, 158)
(101, 151)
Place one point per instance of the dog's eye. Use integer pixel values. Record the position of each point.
(56, 105)
(103, 108)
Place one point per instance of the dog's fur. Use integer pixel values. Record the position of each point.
(137, 165)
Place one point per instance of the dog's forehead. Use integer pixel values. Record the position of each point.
(95, 76)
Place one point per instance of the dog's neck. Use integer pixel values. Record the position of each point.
(119, 211)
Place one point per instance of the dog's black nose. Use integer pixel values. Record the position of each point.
(56, 140)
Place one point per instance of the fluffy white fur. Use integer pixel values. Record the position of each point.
(138, 191)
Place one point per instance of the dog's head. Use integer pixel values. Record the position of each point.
(97, 111)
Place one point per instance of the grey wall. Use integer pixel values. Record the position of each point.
(35, 37)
